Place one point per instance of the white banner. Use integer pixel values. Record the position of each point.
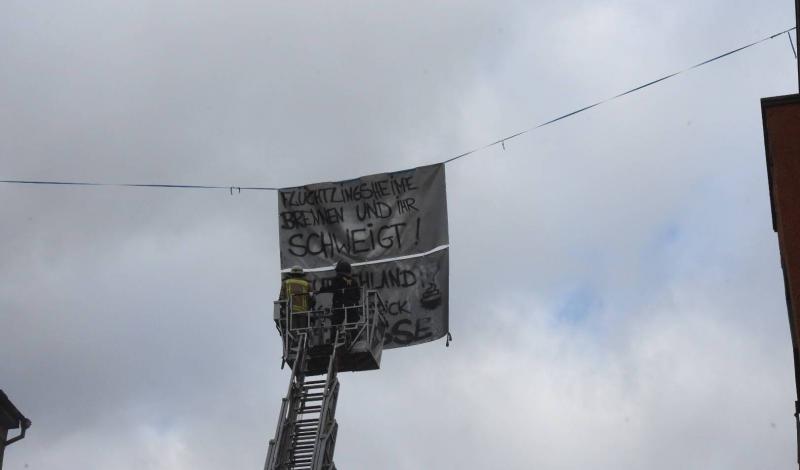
(415, 291)
(365, 219)
(370, 222)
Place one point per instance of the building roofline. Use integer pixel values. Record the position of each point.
(768, 103)
(8, 408)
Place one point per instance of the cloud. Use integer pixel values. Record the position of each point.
(137, 323)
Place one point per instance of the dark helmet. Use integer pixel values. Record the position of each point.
(343, 267)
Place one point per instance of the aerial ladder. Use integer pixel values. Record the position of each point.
(317, 351)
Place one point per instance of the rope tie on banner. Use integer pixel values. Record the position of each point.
(449, 338)
(791, 43)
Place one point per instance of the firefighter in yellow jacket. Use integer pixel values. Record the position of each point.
(297, 290)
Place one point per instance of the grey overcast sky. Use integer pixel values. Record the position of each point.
(616, 296)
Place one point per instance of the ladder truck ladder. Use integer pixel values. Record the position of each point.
(306, 433)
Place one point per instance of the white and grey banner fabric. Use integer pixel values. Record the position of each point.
(365, 219)
(371, 222)
(415, 291)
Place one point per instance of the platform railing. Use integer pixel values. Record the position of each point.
(317, 323)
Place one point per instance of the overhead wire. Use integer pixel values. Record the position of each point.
(144, 185)
(619, 95)
(502, 141)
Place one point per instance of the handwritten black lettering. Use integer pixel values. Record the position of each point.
(393, 278)
(398, 307)
(373, 210)
(353, 242)
(406, 205)
(300, 219)
(406, 331)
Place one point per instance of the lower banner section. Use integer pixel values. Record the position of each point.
(415, 292)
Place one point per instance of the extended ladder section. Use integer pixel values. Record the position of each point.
(318, 343)
(306, 434)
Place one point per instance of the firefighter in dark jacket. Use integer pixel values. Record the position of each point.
(346, 294)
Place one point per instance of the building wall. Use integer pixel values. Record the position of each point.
(3, 437)
(781, 117)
